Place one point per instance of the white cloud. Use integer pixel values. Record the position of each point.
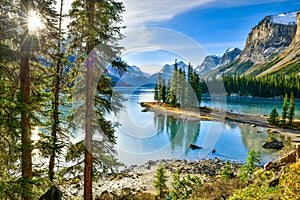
(161, 39)
(138, 13)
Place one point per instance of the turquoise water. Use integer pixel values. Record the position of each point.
(144, 136)
(249, 105)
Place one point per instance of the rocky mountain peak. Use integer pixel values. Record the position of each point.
(229, 56)
(271, 36)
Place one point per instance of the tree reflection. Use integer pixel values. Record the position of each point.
(181, 133)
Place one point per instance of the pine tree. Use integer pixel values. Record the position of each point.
(292, 109)
(25, 51)
(273, 118)
(182, 87)
(247, 169)
(159, 80)
(56, 90)
(284, 108)
(95, 23)
(156, 92)
(226, 172)
(162, 91)
(175, 83)
(160, 181)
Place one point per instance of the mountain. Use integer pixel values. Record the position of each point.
(289, 60)
(268, 44)
(167, 71)
(271, 36)
(212, 62)
(229, 56)
(132, 77)
(209, 63)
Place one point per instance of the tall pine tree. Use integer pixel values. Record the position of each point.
(284, 108)
(95, 23)
(292, 109)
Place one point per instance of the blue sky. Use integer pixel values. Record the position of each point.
(159, 31)
(213, 25)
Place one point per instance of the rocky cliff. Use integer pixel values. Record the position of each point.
(272, 46)
(271, 36)
(289, 60)
(297, 35)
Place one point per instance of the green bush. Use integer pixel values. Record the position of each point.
(183, 187)
(247, 169)
(160, 181)
(226, 173)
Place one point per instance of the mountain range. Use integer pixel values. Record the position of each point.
(272, 47)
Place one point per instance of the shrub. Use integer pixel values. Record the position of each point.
(226, 173)
(247, 169)
(183, 187)
(273, 118)
(160, 181)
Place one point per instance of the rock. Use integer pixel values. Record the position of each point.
(273, 144)
(213, 151)
(105, 196)
(253, 125)
(53, 194)
(193, 147)
(268, 166)
(298, 149)
(289, 158)
(274, 182)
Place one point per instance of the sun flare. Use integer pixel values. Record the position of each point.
(34, 22)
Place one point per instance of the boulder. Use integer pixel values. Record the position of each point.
(193, 147)
(289, 158)
(53, 194)
(273, 143)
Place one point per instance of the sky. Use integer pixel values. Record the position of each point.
(160, 31)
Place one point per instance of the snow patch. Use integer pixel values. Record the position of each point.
(284, 18)
(230, 50)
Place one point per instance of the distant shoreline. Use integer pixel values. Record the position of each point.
(214, 114)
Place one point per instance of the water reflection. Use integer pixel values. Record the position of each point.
(145, 136)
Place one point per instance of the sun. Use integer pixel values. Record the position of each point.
(34, 22)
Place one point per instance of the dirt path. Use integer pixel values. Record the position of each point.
(213, 114)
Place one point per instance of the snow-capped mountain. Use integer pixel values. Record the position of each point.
(284, 18)
(229, 56)
(272, 46)
(167, 71)
(209, 63)
(132, 77)
(212, 62)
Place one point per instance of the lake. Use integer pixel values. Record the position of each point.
(144, 136)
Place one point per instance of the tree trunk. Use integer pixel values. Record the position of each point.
(26, 160)
(55, 104)
(88, 195)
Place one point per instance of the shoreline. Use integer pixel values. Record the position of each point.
(139, 178)
(214, 114)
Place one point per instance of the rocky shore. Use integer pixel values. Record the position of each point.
(140, 178)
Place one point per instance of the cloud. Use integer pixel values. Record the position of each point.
(161, 39)
(138, 13)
